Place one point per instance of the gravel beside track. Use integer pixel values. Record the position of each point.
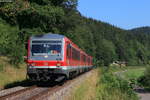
(62, 92)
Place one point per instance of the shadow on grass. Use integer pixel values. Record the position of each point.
(28, 83)
(24, 83)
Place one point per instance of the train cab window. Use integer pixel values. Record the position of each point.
(54, 49)
(46, 47)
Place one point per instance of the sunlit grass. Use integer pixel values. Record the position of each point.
(110, 94)
(128, 72)
(134, 73)
(10, 73)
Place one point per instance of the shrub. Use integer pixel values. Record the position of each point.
(110, 85)
(16, 56)
(11, 44)
(145, 80)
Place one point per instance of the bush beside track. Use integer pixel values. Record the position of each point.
(145, 79)
(111, 87)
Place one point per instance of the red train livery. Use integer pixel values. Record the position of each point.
(54, 57)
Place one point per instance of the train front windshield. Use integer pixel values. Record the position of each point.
(49, 50)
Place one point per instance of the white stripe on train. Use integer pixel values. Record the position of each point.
(61, 67)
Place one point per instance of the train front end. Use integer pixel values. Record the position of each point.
(46, 58)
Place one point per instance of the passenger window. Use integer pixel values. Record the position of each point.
(68, 51)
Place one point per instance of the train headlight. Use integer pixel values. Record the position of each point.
(58, 64)
(30, 67)
(32, 64)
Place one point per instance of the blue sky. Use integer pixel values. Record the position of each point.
(126, 14)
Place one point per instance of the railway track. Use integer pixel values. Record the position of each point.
(43, 93)
(30, 93)
(16, 93)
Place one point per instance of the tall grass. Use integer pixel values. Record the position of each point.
(9, 73)
(1, 67)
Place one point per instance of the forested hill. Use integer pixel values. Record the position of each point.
(106, 43)
(141, 30)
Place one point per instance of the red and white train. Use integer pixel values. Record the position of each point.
(53, 57)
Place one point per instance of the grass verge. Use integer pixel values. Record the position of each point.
(9, 73)
(87, 90)
(134, 73)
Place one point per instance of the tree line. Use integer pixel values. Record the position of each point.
(106, 43)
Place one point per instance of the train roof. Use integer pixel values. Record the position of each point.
(48, 36)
